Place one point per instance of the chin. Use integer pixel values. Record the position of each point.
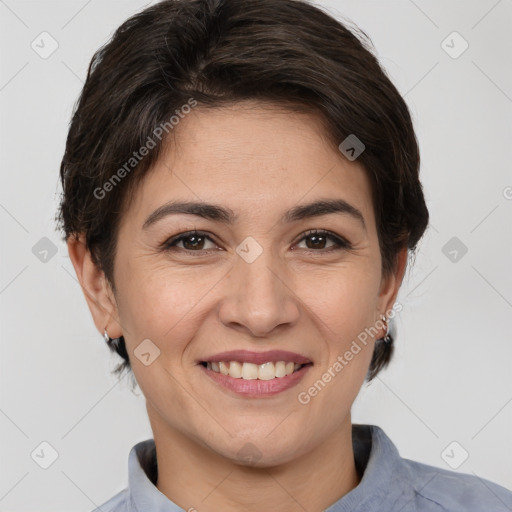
(258, 452)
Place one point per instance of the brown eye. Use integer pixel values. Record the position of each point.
(193, 241)
(317, 240)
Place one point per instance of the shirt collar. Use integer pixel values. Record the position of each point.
(142, 472)
(386, 480)
(383, 483)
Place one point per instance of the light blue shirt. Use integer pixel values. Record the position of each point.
(389, 483)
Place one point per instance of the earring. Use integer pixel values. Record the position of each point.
(111, 341)
(387, 337)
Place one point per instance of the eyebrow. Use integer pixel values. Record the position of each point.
(227, 216)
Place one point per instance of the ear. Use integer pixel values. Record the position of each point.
(97, 291)
(390, 285)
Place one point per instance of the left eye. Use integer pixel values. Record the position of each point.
(319, 237)
(194, 241)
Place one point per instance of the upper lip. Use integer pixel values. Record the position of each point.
(246, 356)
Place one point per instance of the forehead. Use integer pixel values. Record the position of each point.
(254, 159)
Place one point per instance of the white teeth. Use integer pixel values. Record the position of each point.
(224, 368)
(266, 371)
(280, 369)
(235, 370)
(251, 371)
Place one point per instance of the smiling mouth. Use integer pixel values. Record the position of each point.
(251, 371)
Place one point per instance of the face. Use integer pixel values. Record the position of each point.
(268, 279)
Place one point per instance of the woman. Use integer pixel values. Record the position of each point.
(241, 195)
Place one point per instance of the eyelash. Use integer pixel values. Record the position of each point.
(341, 244)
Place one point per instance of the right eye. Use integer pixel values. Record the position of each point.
(193, 241)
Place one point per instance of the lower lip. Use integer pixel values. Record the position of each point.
(255, 388)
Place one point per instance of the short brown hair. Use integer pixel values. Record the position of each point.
(285, 52)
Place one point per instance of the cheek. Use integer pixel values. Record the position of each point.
(157, 304)
(342, 310)
(343, 301)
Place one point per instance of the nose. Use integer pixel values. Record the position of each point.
(259, 296)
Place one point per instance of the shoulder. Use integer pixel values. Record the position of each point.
(393, 483)
(448, 491)
(118, 503)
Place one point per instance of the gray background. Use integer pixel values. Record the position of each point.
(451, 376)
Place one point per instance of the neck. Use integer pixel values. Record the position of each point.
(195, 478)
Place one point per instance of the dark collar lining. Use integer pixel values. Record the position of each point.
(362, 443)
(148, 462)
